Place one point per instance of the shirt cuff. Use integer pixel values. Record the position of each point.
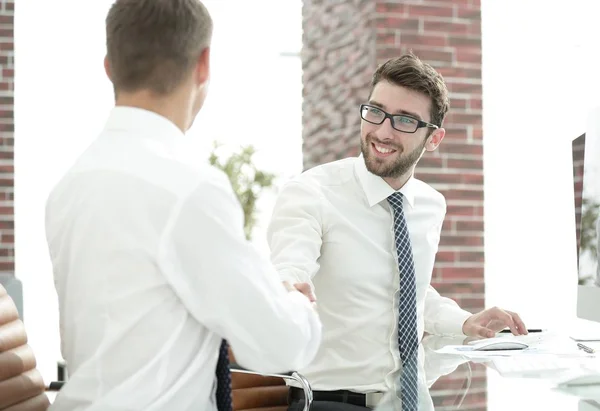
(452, 321)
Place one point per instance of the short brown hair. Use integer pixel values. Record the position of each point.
(152, 44)
(410, 72)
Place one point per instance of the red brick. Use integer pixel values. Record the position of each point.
(453, 132)
(475, 28)
(431, 162)
(435, 55)
(444, 177)
(6, 32)
(461, 148)
(461, 273)
(397, 23)
(463, 118)
(470, 286)
(390, 7)
(7, 211)
(7, 267)
(433, 40)
(476, 103)
(457, 104)
(471, 256)
(475, 226)
(474, 179)
(446, 256)
(463, 88)
(388, 38)
(432, 25)
(437, 11)
(466, 55)
(460, 72)
(468, 13)
(476, 194)
(462, 210)
(7, 225)
(461, 240)
(460, 41)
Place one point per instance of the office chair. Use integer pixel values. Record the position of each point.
(264, 392)
(21, 384)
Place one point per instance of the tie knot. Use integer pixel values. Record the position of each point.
(396, 200)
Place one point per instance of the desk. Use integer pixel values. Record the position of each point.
(450, 382)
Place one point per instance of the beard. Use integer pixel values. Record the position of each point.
(392, 167)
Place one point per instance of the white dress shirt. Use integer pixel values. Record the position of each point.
(152, 270)
(332, 226)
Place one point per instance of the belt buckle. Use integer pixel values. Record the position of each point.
(372, 399)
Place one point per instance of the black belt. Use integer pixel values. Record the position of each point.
(344, 396)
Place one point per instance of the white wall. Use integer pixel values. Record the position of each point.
(540, 63)
(62, 99)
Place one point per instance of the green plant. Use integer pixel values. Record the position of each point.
(588, 227)
(588, 242)
(247, 181)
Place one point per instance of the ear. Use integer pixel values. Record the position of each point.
(435, 139)
(107, 68)
(202, 71)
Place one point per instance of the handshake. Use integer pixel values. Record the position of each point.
(304, 288)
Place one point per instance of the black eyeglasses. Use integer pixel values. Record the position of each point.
(400, 122)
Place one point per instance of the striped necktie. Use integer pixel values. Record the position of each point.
(408, 341)
(223, 395)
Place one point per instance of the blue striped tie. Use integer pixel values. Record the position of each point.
(408, 341)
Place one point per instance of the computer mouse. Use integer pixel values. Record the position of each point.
(499, 345)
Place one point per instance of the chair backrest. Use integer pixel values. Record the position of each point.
(256, 392)
(22, 387)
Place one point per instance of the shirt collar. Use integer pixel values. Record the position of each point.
(145, 122)
(375, 187)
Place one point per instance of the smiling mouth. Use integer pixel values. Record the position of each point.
(382, 151)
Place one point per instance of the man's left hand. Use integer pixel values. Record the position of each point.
(488, 322)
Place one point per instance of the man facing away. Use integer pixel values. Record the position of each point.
(364, 233)
(151, 266)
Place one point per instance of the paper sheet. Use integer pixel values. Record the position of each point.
(539, 343)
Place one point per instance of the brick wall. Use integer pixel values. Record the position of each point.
(7, 127)
(578, 162)
(343, 42)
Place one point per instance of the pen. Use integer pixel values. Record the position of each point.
(586, 348)
(529, 330)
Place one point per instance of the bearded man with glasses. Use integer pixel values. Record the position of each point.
(363, 232)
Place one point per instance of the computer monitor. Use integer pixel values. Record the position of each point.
(586, 174)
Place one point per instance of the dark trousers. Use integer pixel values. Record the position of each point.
(298, 405)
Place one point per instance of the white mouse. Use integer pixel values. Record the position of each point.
(499, 345)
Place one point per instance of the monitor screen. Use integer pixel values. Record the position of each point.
(586, 175)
